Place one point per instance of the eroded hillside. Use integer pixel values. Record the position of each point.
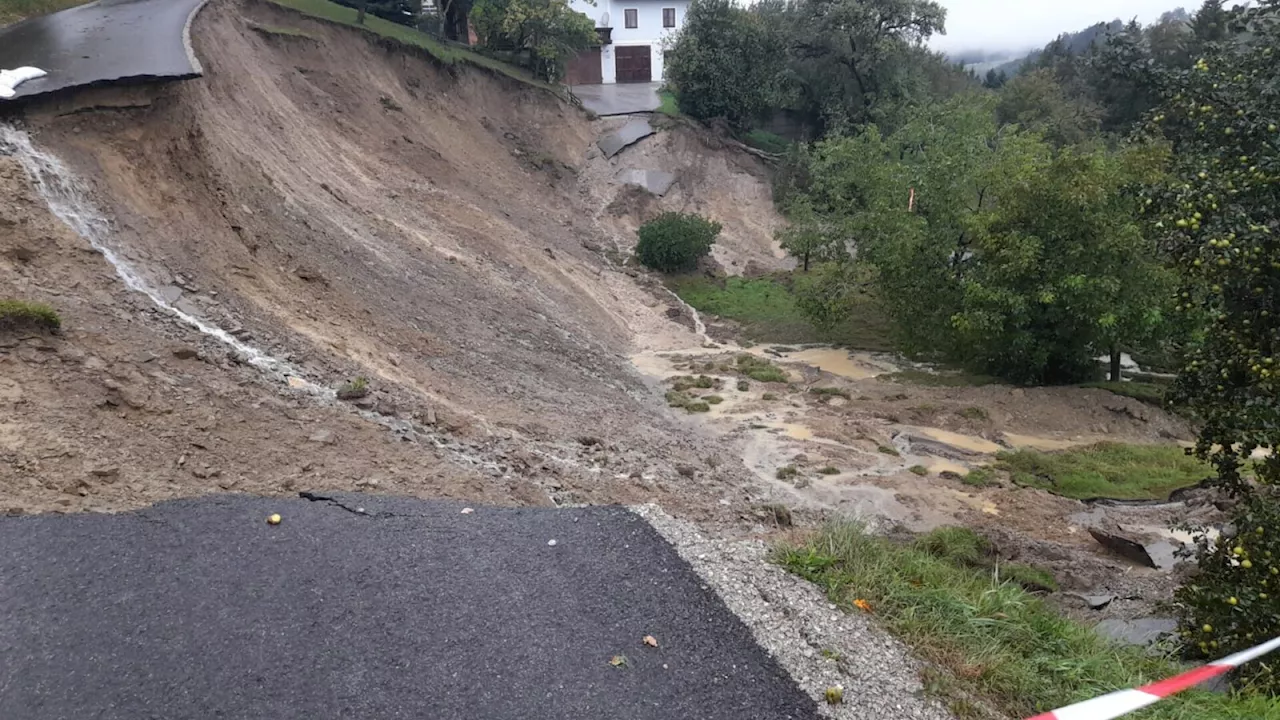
(353, 209)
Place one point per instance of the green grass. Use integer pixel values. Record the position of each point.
(447, 53)
(940, 379)
(760, 370)
(979, 477)
(713, 399)
(993, 640)
(829, 470)
(919, 470)
(668, 106)
(888, 450)
(831, 392)
(12, 11)
(23, 315)
(766, 141)
(1150, 393)
(1106, 470)
(767, 311)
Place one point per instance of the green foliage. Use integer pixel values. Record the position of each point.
(829, 470)
(1015, 260)
(787, 472)
(769, 396)
(549, 30)
(1218, 214)
(712, 399)
(979, 477)
(681, 383)
(743, 386)
(958, 545)
(1233, 601)
(674, 242)
(887, 450)
(21, 315)
(830, 391)
(939, 379)
(809, 238)
(1031, 578)
(12, 11)
(997, 642)
(668, 104)
(1107, 470)
(723, 63)
(759, 369)
(445, 52)
(354, 389)
(1036, 101)
(919, 470)
(766, 141)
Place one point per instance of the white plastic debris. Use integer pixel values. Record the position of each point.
(11, 79)
(552, 543)
(467, 511)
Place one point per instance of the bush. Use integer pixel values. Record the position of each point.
(674, 242)
(760, 370)
(787, 472)
(21, 315)
(1233, 601)
(354, 390)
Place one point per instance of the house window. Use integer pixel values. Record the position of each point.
(631, 20)
(668, 17)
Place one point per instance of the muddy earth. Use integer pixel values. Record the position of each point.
(227, 252)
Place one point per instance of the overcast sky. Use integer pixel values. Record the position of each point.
(1024, 24)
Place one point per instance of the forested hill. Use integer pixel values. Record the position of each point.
(1076, 43)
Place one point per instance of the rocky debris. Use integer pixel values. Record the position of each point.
(170, 294)
(1152, 553)
(185, 353)
(324, 437)
(1141, 631)
(627, 135)
(819, 645)
(1096, 601)
(657, 182)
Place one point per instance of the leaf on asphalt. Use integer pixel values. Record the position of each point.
(618, 661)
(651, 641)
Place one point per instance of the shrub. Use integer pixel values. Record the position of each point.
(919, 470)
(829, 470)
(21, 315)
(888, 450)
(354, 389)
(769, 396)
(830, 391)
(1233, 601)
(713, 399)
(760, 370)
(674, 242)
(787, 472)
(743, 386)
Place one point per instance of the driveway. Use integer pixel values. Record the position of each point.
(619, 98)
(102, 42)
(361, 606)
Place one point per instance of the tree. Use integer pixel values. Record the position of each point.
(1218, 217)
(549, 30)
(675, 242)
(724, 63)
(995, 79)
(847, 56)
(1036, 101)
(809, 238)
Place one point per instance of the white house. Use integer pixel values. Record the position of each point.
(632, 33)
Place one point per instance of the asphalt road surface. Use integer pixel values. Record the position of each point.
(102, 42)
(199, 609)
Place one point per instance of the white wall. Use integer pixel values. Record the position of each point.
(649, 30)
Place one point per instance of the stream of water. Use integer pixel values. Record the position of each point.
(69, 201)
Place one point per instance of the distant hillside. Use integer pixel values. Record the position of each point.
(1075, 43)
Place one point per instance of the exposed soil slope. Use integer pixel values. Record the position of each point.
(359, 210)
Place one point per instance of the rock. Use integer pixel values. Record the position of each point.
(1142, 631)
(674, 312)
(170, 294)
(364, 403)
(686, 470)
(185, 353)
(1097, 602)
(324, 437)
(950, 475)
(108, 474)
(1153, 554)
(367, 483)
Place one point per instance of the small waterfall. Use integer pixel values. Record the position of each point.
(70, 203)
(699, 327)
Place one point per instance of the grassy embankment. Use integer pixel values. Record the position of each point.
(992, 644)
(445, 52)
(12, 11)
(766, 309)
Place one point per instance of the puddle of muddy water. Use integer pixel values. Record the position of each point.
(969, 443)
(855, 366)
(1043, 444)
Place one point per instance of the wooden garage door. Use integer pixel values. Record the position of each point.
(632, 64)
(584, 68)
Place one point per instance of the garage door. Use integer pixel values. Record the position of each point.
(584, 68)
(633, 64)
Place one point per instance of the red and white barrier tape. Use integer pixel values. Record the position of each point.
(1124, 702)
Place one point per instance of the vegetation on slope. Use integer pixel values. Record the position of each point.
(998, 644)
(1107, 470)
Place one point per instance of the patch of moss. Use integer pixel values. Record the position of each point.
(23, 315)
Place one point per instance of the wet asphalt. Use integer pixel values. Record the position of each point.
(103, 42)
(366, 607)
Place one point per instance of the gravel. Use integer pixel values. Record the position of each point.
(813, 640)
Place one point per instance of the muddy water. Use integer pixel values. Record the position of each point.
(970, 443)
(855, 366)
(1033, 442)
